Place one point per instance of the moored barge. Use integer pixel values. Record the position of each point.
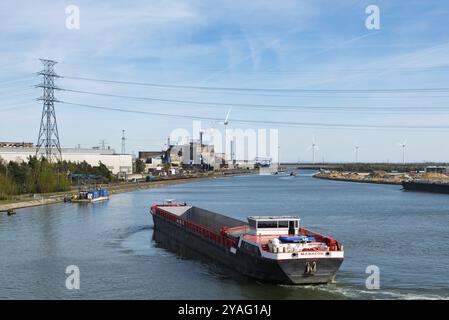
(272, 249)
(90, 196)
(426, 186)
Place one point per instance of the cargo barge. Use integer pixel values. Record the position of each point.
(273, 249)
(426, 186)
(90, 196)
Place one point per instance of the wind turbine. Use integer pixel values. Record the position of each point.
(356, 147)
(226, 120)
(225, 123)
(214, 123)
(312, 147)
(403, 145)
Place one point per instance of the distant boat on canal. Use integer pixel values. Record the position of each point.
(90, 196)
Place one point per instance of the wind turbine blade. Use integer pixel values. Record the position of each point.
(227, 115)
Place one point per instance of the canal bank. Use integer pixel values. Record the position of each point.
(358, 178)
(46, 199)
(380, 177)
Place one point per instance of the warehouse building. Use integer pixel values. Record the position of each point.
(116, 163)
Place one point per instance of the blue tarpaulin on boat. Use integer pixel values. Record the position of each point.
(296, 239)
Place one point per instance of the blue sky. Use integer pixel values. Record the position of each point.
(316, 45)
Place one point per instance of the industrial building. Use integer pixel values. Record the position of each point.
(116, 163)
(196, 154)
(153, 160)
(193, 154)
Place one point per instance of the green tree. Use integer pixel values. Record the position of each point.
(46, 181)
(102, 170)
(140, 166)
(41, 176)
(7, 187)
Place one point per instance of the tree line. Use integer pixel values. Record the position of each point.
(40, 176)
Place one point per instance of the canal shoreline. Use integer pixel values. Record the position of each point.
(380, 177)
(59, 197)
(325, 177)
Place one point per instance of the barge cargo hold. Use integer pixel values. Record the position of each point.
(426, 186)
(254, 248)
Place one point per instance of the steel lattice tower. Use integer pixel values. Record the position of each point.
(48, 138)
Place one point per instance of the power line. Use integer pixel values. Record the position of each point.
(17, 101)
(17, 106)
(259, 122)
(22, 94)
(263, 106)
(29, 77)
(439, 89)
(15, 87)
(377, 110)
(305, 95)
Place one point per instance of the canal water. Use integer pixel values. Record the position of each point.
(404, 234)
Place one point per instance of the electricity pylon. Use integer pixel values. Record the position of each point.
(48, 138)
